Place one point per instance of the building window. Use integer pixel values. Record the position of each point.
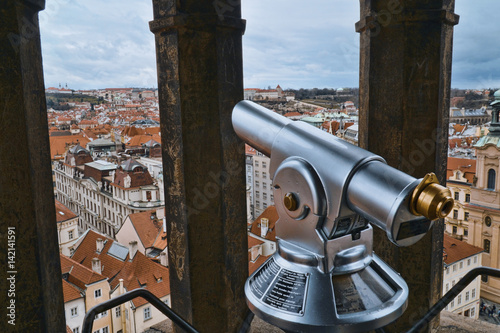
(447, 287)
(467, 197)
(147, 313)
(486, 245)
(70, 234)
(461, 264)
(264, 175)
(97, 293)
(487, 221)
(118, 311)
(466, 232)
(447, 270)
(472, 312)
(473, 294)
(264, 196)
(105, 329)
(475, 259)
(455, 267)
(264, 185)
(257, 174)
(459, 300)
(484, 278)
(466, 296)
(456, 195)
(264, 164)
(257, 194)
(491, 179)
(76, 330)
(264, 205)
(455, 214)
(74, 312)
(466, 216)
(468, 262)
(454, 230)
(256, 163)
(452, 304)
(257, 184)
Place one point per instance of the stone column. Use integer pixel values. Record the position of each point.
(27, 211)
(405, 72)
(200, 79)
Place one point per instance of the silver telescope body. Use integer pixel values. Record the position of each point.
(353, 179)
(324, 276)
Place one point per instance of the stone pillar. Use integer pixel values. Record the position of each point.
(200, 79)
(405, 73)
(27, 211)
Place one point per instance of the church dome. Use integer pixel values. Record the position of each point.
(497, 95)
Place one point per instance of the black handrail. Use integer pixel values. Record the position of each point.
(88, 321)
(450, 295)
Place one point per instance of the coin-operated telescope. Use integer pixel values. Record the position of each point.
(324, 276)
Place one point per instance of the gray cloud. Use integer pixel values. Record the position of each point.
(97, 44)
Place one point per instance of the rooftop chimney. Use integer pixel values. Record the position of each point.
(264, 226)
(132, 249)
(96, 265)
(99, 245)
(164, 259)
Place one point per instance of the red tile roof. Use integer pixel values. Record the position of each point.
(138, 177)
(70, 292)
(252, 241)
(455, 250)
(79, 275)
(272, 215)
(132, 272)
(150, 231)
(292, 114)
(63, 213)
(466, 165)
(249, 150)
(138, 140)
(59, 144)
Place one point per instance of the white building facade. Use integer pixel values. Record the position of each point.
(102, 193)
(459, 258)
(263, 195)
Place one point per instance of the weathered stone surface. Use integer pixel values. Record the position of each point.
(200, 79)
(26, 193)
(405, 72)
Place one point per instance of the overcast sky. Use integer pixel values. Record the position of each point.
(297, 44)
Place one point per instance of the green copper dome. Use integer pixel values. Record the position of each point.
(497, 95)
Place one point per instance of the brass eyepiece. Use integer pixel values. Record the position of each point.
(290, 201)
(430, 199)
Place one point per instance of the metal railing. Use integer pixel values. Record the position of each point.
(451, 294)
(128, 296)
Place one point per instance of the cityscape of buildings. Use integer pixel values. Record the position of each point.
(109, 190)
